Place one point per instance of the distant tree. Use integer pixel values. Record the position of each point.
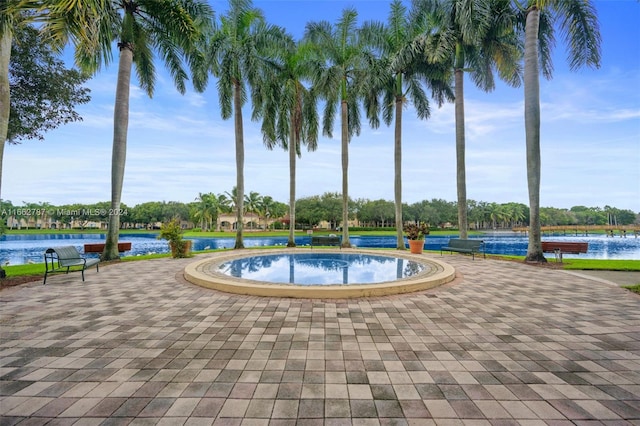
(333, 209)
(252, 202)
(378, 212)
(309, 211)
(205, 210)
(147, 213)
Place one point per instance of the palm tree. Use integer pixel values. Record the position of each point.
(404, 67)
(172, 28)
(578, 23)
(290, 114)
(252, 202)
(237, 53)
(266, 208)
(206, 209)
(344, 67)
(479, 37)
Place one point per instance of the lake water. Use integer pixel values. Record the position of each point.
(21, 249)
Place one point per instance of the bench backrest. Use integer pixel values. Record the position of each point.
(325, 240)
(67, 252)
(66, 255)
(565, 246)
(465, 244)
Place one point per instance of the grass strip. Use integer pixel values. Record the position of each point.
(633, 288)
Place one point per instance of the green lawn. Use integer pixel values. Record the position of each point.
(633, 288)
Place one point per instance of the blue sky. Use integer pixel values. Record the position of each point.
(179, 146)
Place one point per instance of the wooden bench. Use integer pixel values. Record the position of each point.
(464, 246)
(62, 259)
(326, 240)
(560, 247)
(99, 247)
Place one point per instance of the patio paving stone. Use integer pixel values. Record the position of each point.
(505, 344)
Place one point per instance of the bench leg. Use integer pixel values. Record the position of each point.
(558, 255)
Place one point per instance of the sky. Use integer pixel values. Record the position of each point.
(179, 146)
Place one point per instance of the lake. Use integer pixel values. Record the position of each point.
(21, 249)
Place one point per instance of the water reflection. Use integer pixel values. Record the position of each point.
(322, 268)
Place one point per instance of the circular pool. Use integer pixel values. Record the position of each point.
(318, 274)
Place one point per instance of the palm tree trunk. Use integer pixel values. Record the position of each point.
(345, 175)
(5, 99)
(5, 96)
(237, 102)
(460, 154)
(532, 129)
(293, 147)
(119, 153)
(397, 153)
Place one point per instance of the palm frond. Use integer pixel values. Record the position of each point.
(580, 29)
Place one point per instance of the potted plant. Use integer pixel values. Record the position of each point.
(416, 233)
(172, 232)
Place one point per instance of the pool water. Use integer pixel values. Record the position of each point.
(316, 268)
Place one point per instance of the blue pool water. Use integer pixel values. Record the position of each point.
(320, 268)
(20, 249)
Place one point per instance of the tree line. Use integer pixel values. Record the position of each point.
(203, 213)
(418, 55)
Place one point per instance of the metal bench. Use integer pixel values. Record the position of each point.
(326, 240)
(464, 246)
(62, 259)
(560, 247)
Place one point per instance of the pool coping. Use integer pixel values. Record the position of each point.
(194, 273)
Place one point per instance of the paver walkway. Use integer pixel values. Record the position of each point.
(505, 344)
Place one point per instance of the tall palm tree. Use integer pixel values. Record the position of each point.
(290, 117)
(338, 79)
(237, 53)
(577, 21)
(404, 69)
(479, 37)
(171, 28)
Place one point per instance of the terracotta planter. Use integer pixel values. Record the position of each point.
(187, 248)
(416, 246)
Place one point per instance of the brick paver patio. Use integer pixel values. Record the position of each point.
(506, 343)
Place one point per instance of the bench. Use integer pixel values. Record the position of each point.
(59, 259)
(464, 246)
(326, 240)
(560, 247)
(99, 247)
